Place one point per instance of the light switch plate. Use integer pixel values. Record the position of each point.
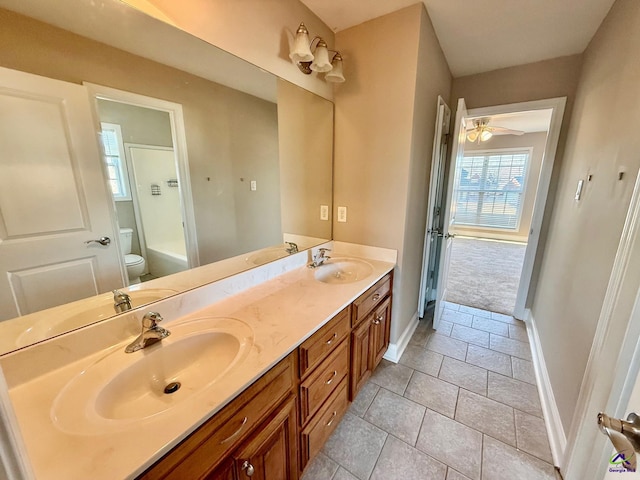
(342, 214)
(579, 189)
(324, 212)
(254, 185)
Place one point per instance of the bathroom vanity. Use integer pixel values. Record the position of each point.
(292, 351)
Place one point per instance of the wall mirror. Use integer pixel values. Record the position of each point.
(115, 124)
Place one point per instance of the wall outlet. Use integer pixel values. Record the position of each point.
(342, 214)
(324, 212)
(254, 185)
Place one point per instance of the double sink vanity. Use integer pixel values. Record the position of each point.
(254, 376)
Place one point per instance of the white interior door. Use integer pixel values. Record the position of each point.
(457, 152)
(434, 208)
(53, 199)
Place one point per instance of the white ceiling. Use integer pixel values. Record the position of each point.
(484, 35)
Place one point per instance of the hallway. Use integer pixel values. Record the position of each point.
(461, 404)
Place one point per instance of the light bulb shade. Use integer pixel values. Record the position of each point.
(335, 75)
(301, 50)
(321, 62)
(485, 135)
(472, 136)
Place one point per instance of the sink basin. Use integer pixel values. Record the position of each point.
(343, 270)
(82, 313)
(266, 256)
(120, 390)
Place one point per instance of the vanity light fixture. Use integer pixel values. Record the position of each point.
(315, 59)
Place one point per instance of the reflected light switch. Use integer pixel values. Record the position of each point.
(579, 189)
(254, 185)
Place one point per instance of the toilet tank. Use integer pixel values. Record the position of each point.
(125, 239)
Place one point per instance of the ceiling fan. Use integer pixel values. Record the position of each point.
(482, 132)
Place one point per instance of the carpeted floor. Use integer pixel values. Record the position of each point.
(485, 274)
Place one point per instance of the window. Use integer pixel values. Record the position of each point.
(489, 188)
(114, 158)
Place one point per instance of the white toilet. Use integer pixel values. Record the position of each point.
(135, 263)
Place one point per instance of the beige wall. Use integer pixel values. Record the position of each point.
(230, 135)
(385, 116)
(255, 30)
(535, 141)
(583, 236)
(305, 184)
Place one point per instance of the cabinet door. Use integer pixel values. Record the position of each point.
(271, 451)
(223, 472)
(360, 343)
(380, 330)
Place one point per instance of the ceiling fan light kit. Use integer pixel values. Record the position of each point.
(482, 132)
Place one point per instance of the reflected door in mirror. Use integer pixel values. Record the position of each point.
(52, 200)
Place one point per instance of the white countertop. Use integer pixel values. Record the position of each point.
(282, 313)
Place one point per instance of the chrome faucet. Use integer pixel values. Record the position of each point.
(121, 301)
(151, 333)
(319, 258)
(293, 248)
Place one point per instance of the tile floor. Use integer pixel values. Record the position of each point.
(462, 404)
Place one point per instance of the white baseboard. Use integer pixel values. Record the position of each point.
(395, 350)
(557, 437)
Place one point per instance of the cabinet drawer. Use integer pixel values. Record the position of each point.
(368, 300)
(318, 386)
(318, 346)
(196, 456)
(322, 425)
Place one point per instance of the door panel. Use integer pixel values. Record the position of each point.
(54, 198)
(428, 278)
(457, 152)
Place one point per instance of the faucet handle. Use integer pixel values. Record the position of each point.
(151, 319)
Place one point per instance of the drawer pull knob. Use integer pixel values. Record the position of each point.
(333, 417)
(328, 382)
(376, 297)
(248, 468)
(378, 319)
(231, 437)
(330, 341)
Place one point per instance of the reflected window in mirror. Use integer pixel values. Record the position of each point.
(114, 158)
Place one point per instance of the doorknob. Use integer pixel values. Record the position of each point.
(102, 241)
(447, 236)
(625, 436)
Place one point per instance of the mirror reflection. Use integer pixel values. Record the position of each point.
(125, 170)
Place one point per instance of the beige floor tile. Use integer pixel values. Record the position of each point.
(491, 326)
(364, 398)
(502, 462)
(422, 359)
(355, 445)
(501, 317)
(453, 475)
(532, 436)
(523, 370)
(518, 333)
(510, 346)
(474, 311)
(470, 335)
(457, 317)
(433, 393)
(452, 443)
(392, 376)
(464, 375)
(451, 306)
(342, 474)
(448, 346)
(401, 461)
(320, 468)
(519, 395)
(487, 416)
(396, 415)
(445, 328)
(485, 358)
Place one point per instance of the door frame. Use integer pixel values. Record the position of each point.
(178, 133)
(557, 105)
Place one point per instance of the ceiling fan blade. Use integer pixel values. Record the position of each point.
(505, 131)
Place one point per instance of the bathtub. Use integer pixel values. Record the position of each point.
(165, 259)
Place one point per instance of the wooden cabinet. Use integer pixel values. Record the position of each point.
(371, 319)
(271, 453)
(203, 455)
